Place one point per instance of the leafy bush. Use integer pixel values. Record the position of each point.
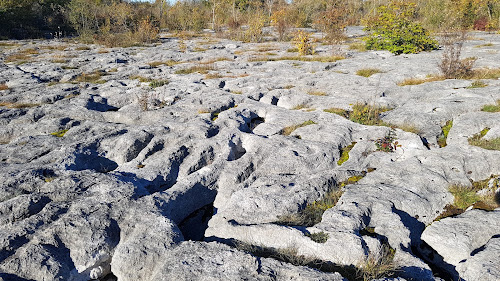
(393, 30)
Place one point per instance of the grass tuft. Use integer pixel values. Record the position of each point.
(288, 130)
(480, 195)
(477, 84)
(3, 87)
(155, 64)
(312, 213)
(298, 58)
(18, 105)
(492, 108)
(94, 77)
(367, 72)
(317, 93)
(203, 69)
(378, 266)
(361, 113)
(490, 144)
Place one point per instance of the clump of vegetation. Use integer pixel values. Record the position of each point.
(378, 266)
(492, 107)
(60, 133)
(393, 29)
(490, 144)
(367, 72)
(236, 92)
(3, 87)
(344, 153)
(158, 83)
(353, 179)
(318, 237)
(288, 130)
(388, 143)
(362, 113)
(477, 84)
(444, 135)
(358, 46)
(480, 195)
(303, 43)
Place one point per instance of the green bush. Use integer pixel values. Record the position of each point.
(393, 30)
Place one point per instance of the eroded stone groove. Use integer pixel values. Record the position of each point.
(120, 180)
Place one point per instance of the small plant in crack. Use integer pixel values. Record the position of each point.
(388, 143)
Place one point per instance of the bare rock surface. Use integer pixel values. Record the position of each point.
(152, 163)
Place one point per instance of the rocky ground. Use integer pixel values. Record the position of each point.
(120, 164)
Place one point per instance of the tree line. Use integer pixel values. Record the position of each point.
(115, 19)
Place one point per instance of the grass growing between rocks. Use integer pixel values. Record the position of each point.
(362, 113)
(141, 79)
(317, 93)
(492, 107)
(477, 84)
(158, 83)
(367, 72)
(374, 266)
(378, 266)
(3, 87)
(344, 153)
(444, 135)
(202, 69)
(479, 195)
(490, 144)
(22, 56)
(94, 77)
(18, 105)
(155, 64)
(288, 130)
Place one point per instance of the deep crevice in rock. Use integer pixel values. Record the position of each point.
(193, 227)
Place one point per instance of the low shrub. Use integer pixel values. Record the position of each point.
(451, 65)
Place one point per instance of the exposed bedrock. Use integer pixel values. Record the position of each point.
(210, 176)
